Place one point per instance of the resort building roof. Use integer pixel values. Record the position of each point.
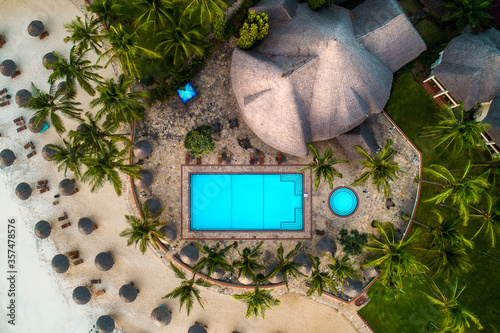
(493, 118)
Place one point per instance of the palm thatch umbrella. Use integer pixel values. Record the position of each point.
(353, 288)
(7, 157)
(327, 245)
(23, 191)
(154, 206)
(197, 329)
(85, 225)
(278, 278)
(218, 274)
(66, 187)
(42, 229)
(8, 67)
(81, 295)
(48, 153)
(243, 279)
(33, 128)
(23, 96)
(49, 58)
(104, 261)
(169, 232)
(128, 293)
(145, 181)
(62, 86)
(60, 263)
(302, 258)
(142, 149)
(189, 254)
(105, 324)
(371, 272)
(161, 316)
(36, 28)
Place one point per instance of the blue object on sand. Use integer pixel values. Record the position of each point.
(187, 93)
(45, 127)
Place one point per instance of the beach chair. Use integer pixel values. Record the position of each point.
(100, 292)
(65, 225)
(30, 155)
(76, 190)
(219, 159)
(55, 202)
(45, 189)
(20, 129)
(16, 74)
(4, 103)
(78, 262)
(44, 34)
(187, 158)
(18, 120)
(63, 217)
(40, 186)
(198, 160)
(3, 91)
(261, 159)
(133, 285)
(280, 159)
(2, 41)
(43, 182)
(73, 254)
(29, 145)
(95, 281)
(252, 158)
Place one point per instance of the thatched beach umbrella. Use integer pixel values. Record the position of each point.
(353, 288)
(189, 254)
(142, 149)
(8, 67)
(303, 259)
(243, 279)
(48, 153)
(60, 263)
(104, 261)
(81, 295)
(36, 28)
(49, 58)
(197, 329)
(66, 187)
(85, 225)
(42, 229)
(278, 278)
(23, 191)
(7, 157)
(161, 316)
(128, 293)
(105, 324)
(33, 128)
(371, 272)
(62, 86)
(23, 96)
(145, 181)
(218, 274)
(326, 245)
(154, 206)
(169, 232)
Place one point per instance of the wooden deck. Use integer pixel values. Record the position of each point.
(432, 90)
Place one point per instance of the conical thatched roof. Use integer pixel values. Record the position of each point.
(161, 316)
(33, 128)
(105, 324)
(327, 245)
(189, 254)
(308, 80)
(169, 232)
(469, 67)
(48, 152)
(197, 329)
(154, 206)
(23, 191)
(493, 118)
(302, 258)
(23, 96)
(8, 67)
(278, 278)
(60, 263)
(81, 295)
(42, 229)
(128, 293)
(35, 28)
(49, 58)
(104, 261)
(353, 288)
(66, 187)
(7, 157)
(142, 149)
(145, 181)
(85, 225)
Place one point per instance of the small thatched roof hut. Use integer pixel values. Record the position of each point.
(197, 329)
(105, 324)
(326, 245)
(154, 206)
(145, 181)
(48, 153)
(23, 191)
(36, 28)
(353, 288)
(85, 225)
(161, 316)
(42, 229)
(33, 128)
(81, 295)
(60, 263)
(302, 258)
(169, 232)
(104, 261)
(7, 157)
(66, 187)
(23, 96)
(189, 254)
(8, 67)
(128, 293)
(142, 149)
(49, 58)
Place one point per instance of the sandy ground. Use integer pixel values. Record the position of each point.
(44, 301)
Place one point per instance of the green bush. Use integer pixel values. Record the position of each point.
(352, 242)
(219, 27)
(255, 28)
(199, 141)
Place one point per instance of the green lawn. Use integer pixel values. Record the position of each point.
(432, 34)
(412, 109)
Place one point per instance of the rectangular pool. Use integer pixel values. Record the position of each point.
(246, 202)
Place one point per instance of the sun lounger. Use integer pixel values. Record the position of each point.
(78, 262)
(219, 159)
(280, 159)
(43, 182)
(187, 158)
(18, 120)
(22, 128)
(252, 158)
(16, 74)
(3, 91)
(4, 103)
(261, 159)
(29, 145)
(76, 190)
(30, 155)
(55, 202)
(73, 254)
(62, 218)
(198, 160)
(65, 225)
(95, 281)
(45, 189)
(44, 34)
(100, 292)
(94, 227)
(40, 186)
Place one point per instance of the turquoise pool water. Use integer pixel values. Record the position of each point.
(246, 201)
(343, 201)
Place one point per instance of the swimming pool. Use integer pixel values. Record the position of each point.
(343, 201)
(246, 202)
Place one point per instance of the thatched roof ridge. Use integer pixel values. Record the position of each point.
(493, 118)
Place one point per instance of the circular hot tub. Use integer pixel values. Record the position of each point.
(343, 201)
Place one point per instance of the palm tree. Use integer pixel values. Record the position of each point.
(258, 301)
(144, 229)
(286, 266)
(492, 167)
(208, 9)
(46, 105)
(489, 217)
(382, 168)
(154, 12)
(247, 265)
(214, 259)
(452, 131)
(470, 13)
(68, 157)
(341, 269)
(117, 103)
(319, 280)
(449, 261)
(392, 256)
(456, 318)
(85, 34)
(187, 291)
(77, 68)
(107, 10)
(322, 166)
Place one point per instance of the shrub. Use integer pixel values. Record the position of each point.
(219, 27)
(315, 4)
(255, 28)
(199, 141)
(352, 242)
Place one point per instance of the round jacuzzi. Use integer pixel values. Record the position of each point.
(343, 201)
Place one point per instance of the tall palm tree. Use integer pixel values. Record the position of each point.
(286, 266)
(341, 269)
(319, 280)
(85, 34)
(470, 13)
(455, 132)
(247, 265)
(492, 167)
(323, 166)
(144, 229)
(117, 104)
(69, 157)
(392, 256)
(489, 217)
(153, 12)
(215, 259)
(46, 105)
(187, 291)
(449, 261)
(107, 10)
(207, 10)
(382, 168)
(456, 318)
(76, 69)
(258, 301)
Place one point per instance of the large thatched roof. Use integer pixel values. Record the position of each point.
(81, 295)
(7, 157)
(469, 67)
(128, 293)
(42, 229)
(308, 80)
(104, 261)
(161, 316)
(23, 96)
(23, 191)
(493, 118)
(35, 28)
(105, 324)
(60, 263)
(8, 67)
